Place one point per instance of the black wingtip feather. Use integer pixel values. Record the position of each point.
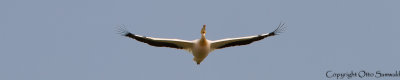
(121, 29)
(280, 29)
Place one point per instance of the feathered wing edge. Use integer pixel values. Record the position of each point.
(157, 42)
(230, 42)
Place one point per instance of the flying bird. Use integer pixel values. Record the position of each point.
(200, 48)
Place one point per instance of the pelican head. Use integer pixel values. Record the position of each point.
(203, 30)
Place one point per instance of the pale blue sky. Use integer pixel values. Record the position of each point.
(76, 39)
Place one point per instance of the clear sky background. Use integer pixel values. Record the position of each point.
(77, 39)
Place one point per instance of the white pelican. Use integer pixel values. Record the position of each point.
(200, 48)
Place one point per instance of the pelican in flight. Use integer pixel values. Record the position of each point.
(200, 48)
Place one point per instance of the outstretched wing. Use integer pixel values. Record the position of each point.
(229, 42)
(158, 42)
